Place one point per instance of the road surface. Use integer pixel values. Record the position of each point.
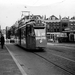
(55, 60)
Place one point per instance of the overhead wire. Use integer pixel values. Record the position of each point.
(35, 2)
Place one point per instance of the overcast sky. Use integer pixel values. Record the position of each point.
(10, 10)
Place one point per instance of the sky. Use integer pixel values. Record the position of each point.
(11, 10)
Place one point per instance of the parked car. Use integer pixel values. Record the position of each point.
(12, 40)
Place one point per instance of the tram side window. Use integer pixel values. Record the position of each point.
(27, 30)
(32, 33)
(30, 30)
(22, 33)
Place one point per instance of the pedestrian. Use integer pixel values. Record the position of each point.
(2, 41)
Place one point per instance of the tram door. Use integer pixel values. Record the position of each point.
(30, 37)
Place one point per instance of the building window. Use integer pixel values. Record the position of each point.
(54, 30)
(62, 29)
(57, 23)
(57, 30)
(64, 24)
(48, 26)
(71, 24)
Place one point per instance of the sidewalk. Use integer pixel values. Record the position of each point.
(7, 64)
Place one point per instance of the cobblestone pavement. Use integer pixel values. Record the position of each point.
(7, 64)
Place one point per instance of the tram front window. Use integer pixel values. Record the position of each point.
(39, 32)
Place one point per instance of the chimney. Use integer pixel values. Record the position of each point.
(68, 17)
(0, 27)
(59, 17)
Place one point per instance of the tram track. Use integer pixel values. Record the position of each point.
(45, 58)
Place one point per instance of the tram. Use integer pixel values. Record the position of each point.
(31, 35)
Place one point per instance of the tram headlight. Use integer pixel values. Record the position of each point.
(40, 40)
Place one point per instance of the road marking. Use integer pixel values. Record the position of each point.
(20, 68)
(64, 57)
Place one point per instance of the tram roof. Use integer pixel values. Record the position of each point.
(39, 26)
(32, 22)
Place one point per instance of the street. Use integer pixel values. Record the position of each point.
(54, 60)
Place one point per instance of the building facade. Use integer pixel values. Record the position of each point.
(72, 23)
(56, 26)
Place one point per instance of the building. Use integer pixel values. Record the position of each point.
(56, 26)
(72, 23)
(53, 24)
(53, 27)
(8, 32)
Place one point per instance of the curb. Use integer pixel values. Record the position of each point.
(18, 65)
